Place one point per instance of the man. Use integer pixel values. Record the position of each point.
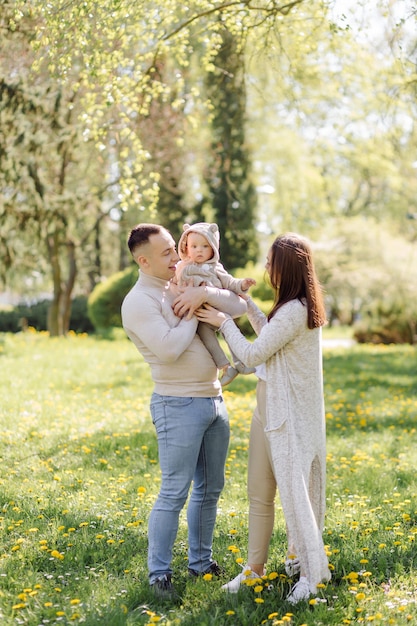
(187, 407)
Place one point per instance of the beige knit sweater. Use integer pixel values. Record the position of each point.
(180, 363)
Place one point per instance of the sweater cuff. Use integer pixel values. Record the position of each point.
(228, 319)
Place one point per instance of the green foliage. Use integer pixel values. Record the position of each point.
(262, 290)
(106, 299)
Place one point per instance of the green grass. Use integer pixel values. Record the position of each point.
(80, 473)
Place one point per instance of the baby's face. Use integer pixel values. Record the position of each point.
(198, 248)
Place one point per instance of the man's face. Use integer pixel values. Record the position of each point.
(159, 256)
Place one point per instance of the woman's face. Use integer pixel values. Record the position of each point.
(268, 265)
(268, 261)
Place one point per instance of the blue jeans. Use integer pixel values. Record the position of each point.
(193, 438)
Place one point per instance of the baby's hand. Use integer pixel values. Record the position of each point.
(247, 282)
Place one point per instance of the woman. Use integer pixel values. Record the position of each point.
(288, 439)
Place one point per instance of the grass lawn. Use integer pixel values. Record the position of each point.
(80, 473)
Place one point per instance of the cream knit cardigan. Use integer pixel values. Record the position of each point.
(295, 423)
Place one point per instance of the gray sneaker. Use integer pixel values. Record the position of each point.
(214, 570)
(243, 369)
(229, 375)
(164, 589)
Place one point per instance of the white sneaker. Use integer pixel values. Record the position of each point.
(245, 575)
(292, 566)
(300, 591)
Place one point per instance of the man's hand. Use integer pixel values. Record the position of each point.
(189, 300)
(211, 315)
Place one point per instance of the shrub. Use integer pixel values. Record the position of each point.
(387, 322)
(17, 318)
(79, 321)
(106, 299)
(9, 320)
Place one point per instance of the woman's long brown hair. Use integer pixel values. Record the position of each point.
(293, 277)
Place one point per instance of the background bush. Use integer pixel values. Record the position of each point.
(388, 322)
(106, 299)
(14, 319)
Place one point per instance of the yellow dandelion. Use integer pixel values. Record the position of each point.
(57, 555)
(75, 601)
(273, 575)
(258, 589)
(230, 612)
(259, 600)
(208, 576)
(360, 596)
(313, 601)
(272, 615)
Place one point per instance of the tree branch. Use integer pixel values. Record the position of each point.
(283, 9)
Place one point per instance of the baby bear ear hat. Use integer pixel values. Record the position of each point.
(209, 231)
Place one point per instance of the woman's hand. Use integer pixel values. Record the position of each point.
(211, 315)
(189, 299)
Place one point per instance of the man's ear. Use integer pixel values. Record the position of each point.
(142, 261)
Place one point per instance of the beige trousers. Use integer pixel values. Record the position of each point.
(262, 485)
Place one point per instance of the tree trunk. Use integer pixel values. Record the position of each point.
(65, 308)
(54, 326)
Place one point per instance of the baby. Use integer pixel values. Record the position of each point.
(198, 249)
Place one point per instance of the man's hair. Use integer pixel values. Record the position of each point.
(139, 235)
